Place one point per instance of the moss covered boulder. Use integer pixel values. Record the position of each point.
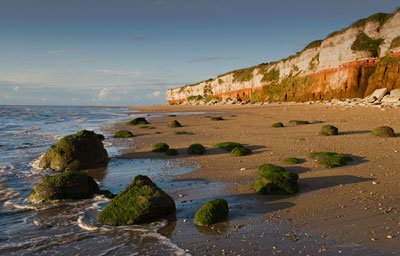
(138, 121)
(212, 212)
(240, 151)
(174, 124)
(278, 125)
(82, 150)
(329, 130)
(217, 118)
(228, 146)
(171, 152)
(290, 160)
(66, 185)
(298, 122)
(123, 134)
(330, 159)
(196, 149)
(142, 201)
(276, 180)
(160, 147)
(383, 131)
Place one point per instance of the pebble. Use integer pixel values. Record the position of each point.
(374, 183)
(389, 237)
(243, 169)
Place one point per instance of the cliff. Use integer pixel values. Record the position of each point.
(350, 63)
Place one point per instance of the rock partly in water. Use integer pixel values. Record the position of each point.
(66, 185)
(212, 212)
(196, 149)
(83, 150)
(160, 147)
(329, 130)
(276, 180)
(142, 201)
(383, 131)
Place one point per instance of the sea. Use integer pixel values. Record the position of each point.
(69, 227)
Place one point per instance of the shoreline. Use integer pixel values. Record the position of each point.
(352, 205)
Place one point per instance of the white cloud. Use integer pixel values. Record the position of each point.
(104, 93)
(156, 94)
(16, 88)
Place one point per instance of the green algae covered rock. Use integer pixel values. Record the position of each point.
(66, 185)
(228, 146)
(123, 134)
(142, 201)
(240, 151)
(298, 122)
(196, 149)
(138, 121)
(160, 147)
(276, 180)
(278, 125)
(174, 124)
(383, 131)
(329, 130)
(82, 150)
(290, 160)
(330, 159)
(217, 118)
(171, 152)
(212, 212)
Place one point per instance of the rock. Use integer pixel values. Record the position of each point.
(66, 185)
(393, 97)
(329, 130)
(383, 131)
(240, 151)
(212, 212)
(123, 134)
(378, 94)
(278, 125)
(160, 147)
(330, 159)
(171, 152)
(372, 99)
(174, 124)
(142, 201)
(79, 151)
(276, 180)
(196, 149)
(138, 121)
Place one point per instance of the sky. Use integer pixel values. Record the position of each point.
(129, 52)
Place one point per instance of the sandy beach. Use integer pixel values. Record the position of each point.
(346, 210)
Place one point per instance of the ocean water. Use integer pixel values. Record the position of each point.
(70, 227)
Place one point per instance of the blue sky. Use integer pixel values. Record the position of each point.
(128, 52)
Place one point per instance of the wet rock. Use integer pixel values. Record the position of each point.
(212, 212)
(79, 151)
(142, 201)
(67, 185)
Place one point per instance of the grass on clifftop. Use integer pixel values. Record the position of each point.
(365, 43)
(395, 42)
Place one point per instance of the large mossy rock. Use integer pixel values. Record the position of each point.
(142, 201)
(174, 124)
(138, 121)
(331, 159)
(383, 131)
(276, 180)
(196, 149)
(66, 185)
(228, 146)
(212, 212)
(80, 151)
(329, 130)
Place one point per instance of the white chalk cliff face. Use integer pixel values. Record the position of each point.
(343, 65)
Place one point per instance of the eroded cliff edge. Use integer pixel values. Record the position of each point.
(350, 63)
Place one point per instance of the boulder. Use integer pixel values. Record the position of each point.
(383, 131)
(160, 147)
(66, 185)
(212, 212)
(82, 150)
(393, 97)
(378, 94)
(329, 130)
(174, 124)
(196, 149)
(240, 151)
(276, 180)
(142, 201)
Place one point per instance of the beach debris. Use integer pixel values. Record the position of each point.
(278, 125)
(171, 152)
(276, 180)
(329, 130)
(290, 160)
(383, 131)
(212, 212)
(123, 134)
(196, 149)
(141, 202)
(174, 124)
(66, 185)
(330, 159)
(160, 147)
(138, 121)
(79, 151)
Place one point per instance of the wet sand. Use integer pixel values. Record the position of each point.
(347, 210)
